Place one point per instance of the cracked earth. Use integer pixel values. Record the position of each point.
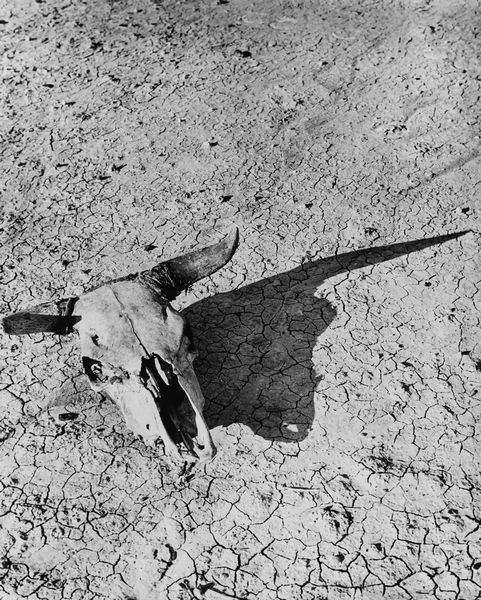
(341, 367)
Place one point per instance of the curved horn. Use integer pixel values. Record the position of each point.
(176, 274)
(49, 317)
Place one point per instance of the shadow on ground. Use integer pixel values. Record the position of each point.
(255, 344)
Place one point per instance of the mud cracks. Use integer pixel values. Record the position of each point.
(343, 394)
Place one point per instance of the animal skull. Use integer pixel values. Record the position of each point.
(137, 349)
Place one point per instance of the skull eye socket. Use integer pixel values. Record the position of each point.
(93, 369)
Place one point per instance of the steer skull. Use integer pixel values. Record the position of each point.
(137, 349)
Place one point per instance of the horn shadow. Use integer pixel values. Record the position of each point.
(255, 344)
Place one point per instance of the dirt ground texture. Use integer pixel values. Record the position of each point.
(343, 388)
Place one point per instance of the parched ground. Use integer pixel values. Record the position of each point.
(342, 370)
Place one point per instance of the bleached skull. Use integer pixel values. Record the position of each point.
(138, 350)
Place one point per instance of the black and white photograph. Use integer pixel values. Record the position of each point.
(240, 300)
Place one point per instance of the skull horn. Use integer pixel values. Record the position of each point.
(177, 274)
(168, 279)
(52, 317)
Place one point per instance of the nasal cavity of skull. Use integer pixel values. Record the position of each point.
(157, 371)
(93, 368)
(172, 403)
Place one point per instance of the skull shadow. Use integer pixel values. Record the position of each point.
(255, 343)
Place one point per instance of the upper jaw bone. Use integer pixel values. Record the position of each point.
(161, 381)
(203, 443)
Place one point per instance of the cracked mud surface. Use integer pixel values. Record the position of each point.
(343, 388)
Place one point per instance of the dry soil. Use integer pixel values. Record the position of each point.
(342, 368)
